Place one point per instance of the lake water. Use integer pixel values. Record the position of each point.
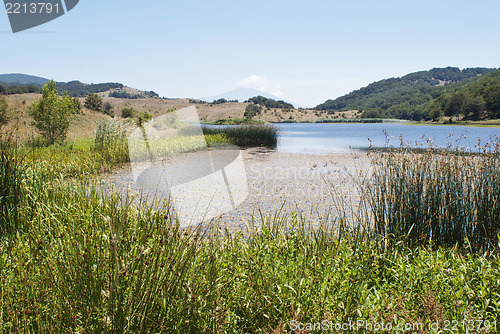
(345, 137)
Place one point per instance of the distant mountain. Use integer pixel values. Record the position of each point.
(472, 93)
(13, 79)
(240, 94)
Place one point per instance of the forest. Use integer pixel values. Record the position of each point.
(270, 103)
(470, 94)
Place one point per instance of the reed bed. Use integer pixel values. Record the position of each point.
(11, 188)
(89, 263)
(438, 197)
(247, 135)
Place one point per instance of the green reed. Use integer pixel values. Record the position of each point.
(11, 190)
(247, 135)
(437, 197)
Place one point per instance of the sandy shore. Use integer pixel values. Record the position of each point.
(312, 186)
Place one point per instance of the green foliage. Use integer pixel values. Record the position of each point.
(128, 112)
(11, 180)
(418, 95)
(28, 89)
(436, 197)
(139, 117)
(125, 95)
(247, 135)
(143, 117)
(252, 110)
(270, 103)
(222, 101)
(4, 107)
(78, 89)
(77, 104)
(52, 114)
(100, 264)
(111, 142)
(108, 109)
(85, 260)
(93, 102)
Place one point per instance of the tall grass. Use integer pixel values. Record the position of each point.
(96, 264)
(111, 141)
(438, 197)
(85, 262)
(247, 135)
(11, 180)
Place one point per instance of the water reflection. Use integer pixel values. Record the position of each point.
(335, 138)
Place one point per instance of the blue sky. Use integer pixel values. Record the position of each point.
(302, 51)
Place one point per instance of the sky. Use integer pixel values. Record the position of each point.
(302, 51)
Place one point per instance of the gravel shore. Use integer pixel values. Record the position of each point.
(313, 186)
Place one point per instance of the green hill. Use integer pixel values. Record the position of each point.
(22, 83)
(416, 96)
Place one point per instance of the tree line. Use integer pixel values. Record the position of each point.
(270, 103)
(470, 94)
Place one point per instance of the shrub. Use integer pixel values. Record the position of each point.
(128, 112)
(93, 102)
(143, 117)
(252, 110)
(108, 109)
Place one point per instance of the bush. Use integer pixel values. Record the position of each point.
(93, 102)
(76, 103)
(108, 109)
(128, 112)
(252, 110)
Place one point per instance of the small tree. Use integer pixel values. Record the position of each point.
(108, 109)
(3, 110)
(52, 114)
(93, 102)
(252, 110)
(77, 104)
(128, 112)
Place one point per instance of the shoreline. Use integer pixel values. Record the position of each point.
(306, 185)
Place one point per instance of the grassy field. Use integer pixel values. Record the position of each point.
(423, 253)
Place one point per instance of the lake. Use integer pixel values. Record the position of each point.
(345, 137)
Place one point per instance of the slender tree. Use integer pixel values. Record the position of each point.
(93, 102)
(52, 114)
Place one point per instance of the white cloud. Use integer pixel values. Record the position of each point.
(263, 84)
(302, 91)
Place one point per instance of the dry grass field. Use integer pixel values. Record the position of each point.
(87, 120)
